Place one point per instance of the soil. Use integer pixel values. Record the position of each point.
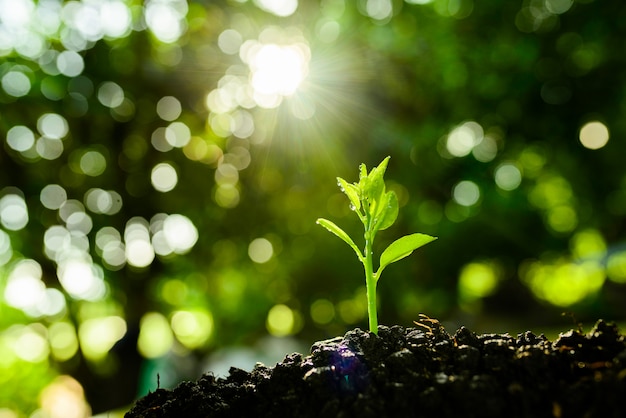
(418, 372)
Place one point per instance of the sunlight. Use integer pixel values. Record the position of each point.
(276, 70)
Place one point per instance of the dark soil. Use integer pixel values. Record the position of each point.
(418, 372)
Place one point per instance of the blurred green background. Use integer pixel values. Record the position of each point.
(164, 162)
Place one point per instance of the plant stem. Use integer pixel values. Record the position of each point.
(370, 285)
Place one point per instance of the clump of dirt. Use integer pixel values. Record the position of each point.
(418, 372)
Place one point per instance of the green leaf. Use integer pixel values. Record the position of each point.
(388, 212)
(402, 247)
(362, 171)
(373, 188)
(332, 227)
(351, 191)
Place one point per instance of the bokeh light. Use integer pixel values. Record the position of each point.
(594, 135)
(508, 176)
(20, 138)
(164, 177)
(13, 212)
(16, 83)
(192, 328)
(462, 139)
(281, 320)
(139, 250)
(322, 311)
(155, 335)
(282, 8)
(466, 193)
(260, 250)
(98, 335)
(169, 108)
(64, 397)
(165, 18)
(476, 281)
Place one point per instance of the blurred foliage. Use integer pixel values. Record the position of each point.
(163, 164)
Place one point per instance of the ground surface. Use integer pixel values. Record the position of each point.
(419, 372)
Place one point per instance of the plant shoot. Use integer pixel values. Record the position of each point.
(377, 209)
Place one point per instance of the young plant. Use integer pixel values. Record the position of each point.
(377, 209)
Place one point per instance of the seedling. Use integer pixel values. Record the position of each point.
(377, 209)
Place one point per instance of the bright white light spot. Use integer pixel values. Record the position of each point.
(80, 279)
(79, 222)
(164, 177)
(69, 207)
(56, 239)
(281, 8)
(276, 70)
(594, 135)
(180, 233)
(16, 14)
(52, 196)
(116, 18)
(102, 201)
(16, 83)
(466, 193)
(49, 148)
(229, 41)
(20, 138)
(139, 250)
(110, 94)
(260, 250)
(169, 108)
(166, 19)
(177, 134)
(508, 176)
(464, 138)
(13, 212)
(279, 69)
(24, 288)
(113, 254)
(52, 125)
(70, 63)
(139, 253)
(106, 235)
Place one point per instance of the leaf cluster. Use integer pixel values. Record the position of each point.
(378, 210)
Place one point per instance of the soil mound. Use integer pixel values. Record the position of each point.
(418, 372)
